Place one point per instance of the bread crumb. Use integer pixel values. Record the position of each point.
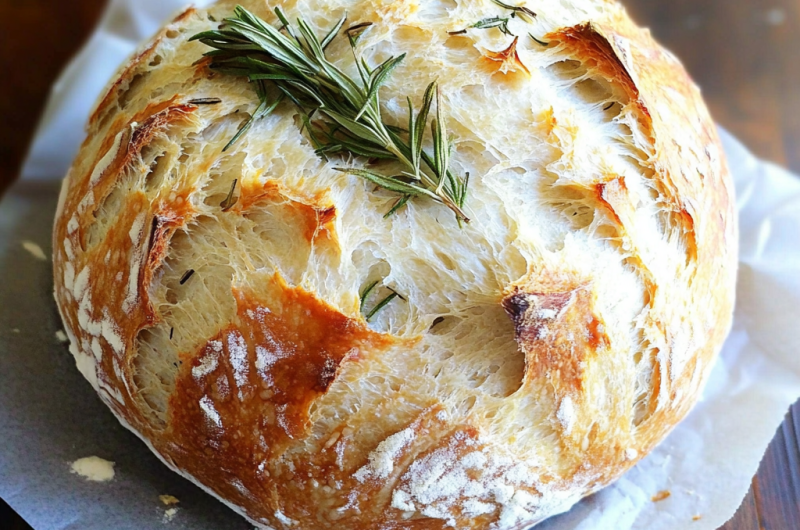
(35, 250)
(94, 468)
(332, 440)
(169, 515)
(697, 517)
(15, 330)
(168, 499)
(661, 495)
(61, 336)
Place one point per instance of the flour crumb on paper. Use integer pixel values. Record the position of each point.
(661, 495)
(35, 250)
(62, 337)
(94, 468)
(170, 514)
(168, 500)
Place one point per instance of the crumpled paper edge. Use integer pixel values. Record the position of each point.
(123, 27)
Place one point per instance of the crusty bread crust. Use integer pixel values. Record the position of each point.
(536, 355)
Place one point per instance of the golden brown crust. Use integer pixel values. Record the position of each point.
(264, 371)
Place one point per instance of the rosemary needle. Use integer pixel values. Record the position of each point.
(205, 101)
(383, 303)
(380, 305)
(186, 275)
(230, 200)
(347, 109)
(366, 292)
(540, 42)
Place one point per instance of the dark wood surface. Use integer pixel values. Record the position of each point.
(745, 54)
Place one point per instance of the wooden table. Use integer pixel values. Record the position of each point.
(744, 53)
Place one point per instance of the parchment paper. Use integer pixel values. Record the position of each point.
(50, 415)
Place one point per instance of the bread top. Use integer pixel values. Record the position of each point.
(535, 355)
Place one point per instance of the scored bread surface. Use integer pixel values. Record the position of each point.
(536, 354)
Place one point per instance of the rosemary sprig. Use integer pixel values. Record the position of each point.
(348, 110)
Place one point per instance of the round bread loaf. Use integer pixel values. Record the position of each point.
(533, 355)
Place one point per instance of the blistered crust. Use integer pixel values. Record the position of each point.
(212, 299)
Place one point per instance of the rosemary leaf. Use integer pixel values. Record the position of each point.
(501, 23)
(354, 32)
(320, 148)
(365, 293)
(389, 183)
(264, 109)
(400, 296)
(186, 275)
(230, 200)
(419, 126)
(493, 22)
(377, 79)
(397, 205)
(362, 131)
(441, 147)
(333, 32)
(383, 303)
(541, 42)
(521, 11)
(205, 101)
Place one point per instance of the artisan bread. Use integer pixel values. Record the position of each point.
(533, 355)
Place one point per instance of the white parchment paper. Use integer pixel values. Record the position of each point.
(706, 464)
(122, 28)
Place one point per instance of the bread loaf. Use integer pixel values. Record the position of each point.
(533, 355)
